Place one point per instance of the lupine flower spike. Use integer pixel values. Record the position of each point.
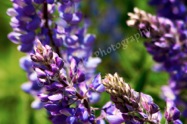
(166, 42)
(135, 107)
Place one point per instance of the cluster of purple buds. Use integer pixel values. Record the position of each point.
(135, 107)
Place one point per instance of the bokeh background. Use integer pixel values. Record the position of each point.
(108, 22)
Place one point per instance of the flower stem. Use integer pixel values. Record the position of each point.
(45, 16)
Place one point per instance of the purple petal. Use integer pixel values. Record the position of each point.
(115, 119)
(76, 18)
(85, 116)
(26, 87)
(55, 97)
(29, 10)
(89, 40)
(50, 1)
(97, 84)
(27, 38)
(14, 37)
(94, 97)
(11, 12)
(37, 104)
(60, 119)
(25, 47)
(52, 107)
(59, 62)
(67, 16)
(34, 24)
(70, 120)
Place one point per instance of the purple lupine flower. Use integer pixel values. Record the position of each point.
(135, 107)
(175, 10)
(168, 48)
(33, 19)
(65, 85)
(64, 71)
(172, 9)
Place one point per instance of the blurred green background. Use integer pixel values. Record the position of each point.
(132, 63)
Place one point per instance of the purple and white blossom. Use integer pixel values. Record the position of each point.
(166, 42)
(134, 107)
